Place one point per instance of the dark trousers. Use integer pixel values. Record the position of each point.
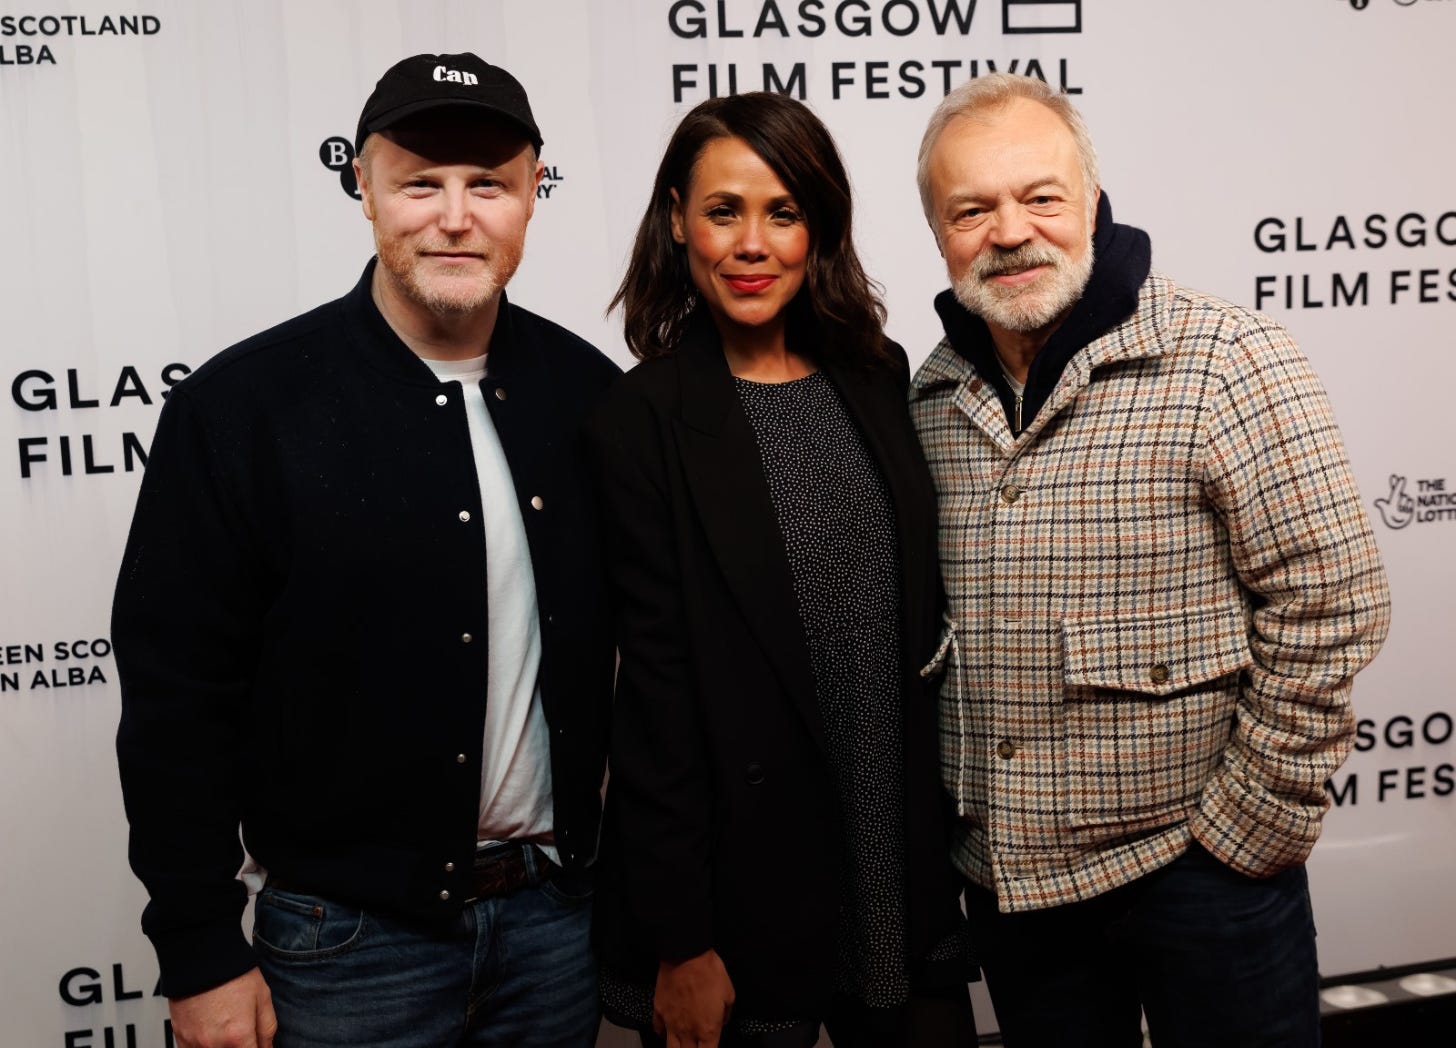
(932, 1020)
(1213, 958)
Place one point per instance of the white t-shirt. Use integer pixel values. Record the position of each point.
(515, 774)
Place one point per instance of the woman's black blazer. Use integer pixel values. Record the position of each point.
(722, 826)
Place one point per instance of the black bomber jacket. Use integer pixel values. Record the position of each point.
(303, 566)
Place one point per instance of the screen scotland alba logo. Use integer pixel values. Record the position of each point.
(28, 40)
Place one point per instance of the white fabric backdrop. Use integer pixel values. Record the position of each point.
(164, 192)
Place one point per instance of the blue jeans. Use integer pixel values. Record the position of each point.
(1213, 958)
(510, 971)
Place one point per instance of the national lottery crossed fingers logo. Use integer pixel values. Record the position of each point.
(1423, 500)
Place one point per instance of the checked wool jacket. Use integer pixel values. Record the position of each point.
(1160, 591)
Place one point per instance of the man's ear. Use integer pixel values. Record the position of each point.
(536, 177)
(366, 195)
(676, 217)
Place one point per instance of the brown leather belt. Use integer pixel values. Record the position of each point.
(503, 870)
(498, 871)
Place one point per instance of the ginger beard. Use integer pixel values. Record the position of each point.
(1029, 307)
(448, 289)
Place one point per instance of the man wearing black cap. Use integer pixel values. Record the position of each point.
(361, 616)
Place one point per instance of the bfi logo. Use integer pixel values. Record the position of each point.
(337, 154)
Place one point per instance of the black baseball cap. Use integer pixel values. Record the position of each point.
(421, 83)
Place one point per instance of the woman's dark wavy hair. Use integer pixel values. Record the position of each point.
(838, 315)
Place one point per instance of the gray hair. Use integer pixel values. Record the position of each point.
(995, 91)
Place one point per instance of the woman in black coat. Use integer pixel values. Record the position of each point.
(774, 850)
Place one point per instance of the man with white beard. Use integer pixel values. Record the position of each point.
(361, 617)
(1160, 583)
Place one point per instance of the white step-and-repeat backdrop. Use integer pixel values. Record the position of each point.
(174, 177)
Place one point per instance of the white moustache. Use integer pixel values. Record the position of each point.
(1002, 263)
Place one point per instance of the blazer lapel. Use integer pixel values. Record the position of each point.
(869, 405)
(877, 406)
(725, 476)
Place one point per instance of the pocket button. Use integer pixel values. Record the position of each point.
(1159, 673)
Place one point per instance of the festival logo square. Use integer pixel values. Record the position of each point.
(1041, 16)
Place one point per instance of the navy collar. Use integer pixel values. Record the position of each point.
(1123, 257)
